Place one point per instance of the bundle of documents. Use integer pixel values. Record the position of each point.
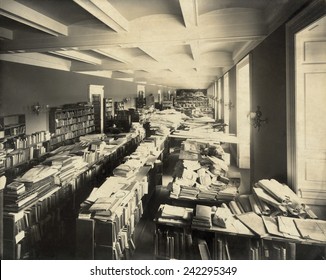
(206, 192)
(188, 192)
(124, 170)
(227, 193)
(176, 212)
(37, 174)
(33, 185)
(106, 206)
(282, 198)
(203, 216)
(171, 119)
(175, 191)
(296, 228)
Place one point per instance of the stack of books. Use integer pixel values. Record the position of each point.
(203, 216)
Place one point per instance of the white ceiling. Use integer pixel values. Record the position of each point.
(176, 43)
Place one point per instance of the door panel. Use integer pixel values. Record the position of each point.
(311, 117)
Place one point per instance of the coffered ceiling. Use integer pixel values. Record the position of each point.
(177, 43)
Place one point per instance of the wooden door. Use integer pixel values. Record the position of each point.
(311, 113)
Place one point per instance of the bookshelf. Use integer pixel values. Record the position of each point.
(70, 121)
(44, 225)
(113, 237)
(25, 148)
(12, 126)
(16, 148)
(173, 237)
(278, 248)
(108, 113)
(118, 106)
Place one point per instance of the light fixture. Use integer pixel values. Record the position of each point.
(125, 100)
(229, 105)
(37, 108)
(256, 118)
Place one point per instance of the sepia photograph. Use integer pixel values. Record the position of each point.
(158, 132)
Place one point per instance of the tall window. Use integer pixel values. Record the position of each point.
(226, 99)
(219, 99)
(243, 108)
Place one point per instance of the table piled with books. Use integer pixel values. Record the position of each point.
(204, 128)
(108, 217)
(273, 221)
(202, 173)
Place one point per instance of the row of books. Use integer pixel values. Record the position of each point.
(73, 113)
(32, 139)
(15, 131)
(16, 157)
(172, 243)
(70, 135)
(64, 122)
(3, 155)
(107, 232)
(81, 126)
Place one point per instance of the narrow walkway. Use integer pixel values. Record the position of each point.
(145, 229)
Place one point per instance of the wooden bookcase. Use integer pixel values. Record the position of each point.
(12, 126)
(108, 113)
(68, 122)
(45, 225)
(113, 239)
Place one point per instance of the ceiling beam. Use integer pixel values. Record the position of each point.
(195, 51)
(105, 12)
(6, 34)
(110, 55)
(150, 52)
(82, 39)
(38, 59)
(76, 55)
(32, 18)
(211, 59)
(189, 10)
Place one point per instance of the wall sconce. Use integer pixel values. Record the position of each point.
(219, 101)
(37, 108)
(229, 105)
(256, 119)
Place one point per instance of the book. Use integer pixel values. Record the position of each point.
(254, 222)
(203, 250)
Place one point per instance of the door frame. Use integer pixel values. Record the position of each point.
(310, 14)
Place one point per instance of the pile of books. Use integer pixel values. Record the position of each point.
(203, 216)
(269, 197)
(32, 186)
